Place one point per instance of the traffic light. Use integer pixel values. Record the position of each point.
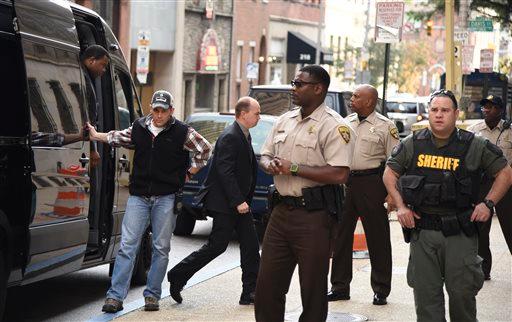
(430, 24)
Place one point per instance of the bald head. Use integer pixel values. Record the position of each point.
(364, 99)
(247, 111)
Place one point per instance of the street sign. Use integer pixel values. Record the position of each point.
(460, 35)
(252, 70)
(486, 60)
(142, 68)
(389, 21)
(480, 24)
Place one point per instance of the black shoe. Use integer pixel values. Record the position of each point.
(487, 277)
(337, 296)
(175, 291)
(246, 298)
(112, 306)
(379, 299)
(151, 304)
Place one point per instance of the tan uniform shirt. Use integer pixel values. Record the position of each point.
(376, 137)
(504, 142)
(323, 138)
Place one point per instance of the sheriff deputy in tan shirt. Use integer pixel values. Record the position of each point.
(309, 146)
(365, 196)
(495, 129)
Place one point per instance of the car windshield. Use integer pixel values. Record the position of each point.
(273, 102)
(401, 107)
(211, 126)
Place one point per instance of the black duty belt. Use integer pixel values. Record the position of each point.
(295, 202)
(367, 172)
(429, 222)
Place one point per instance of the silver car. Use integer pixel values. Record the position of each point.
(407, 111)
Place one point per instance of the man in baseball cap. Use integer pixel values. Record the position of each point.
(167, 153)
(496, 130)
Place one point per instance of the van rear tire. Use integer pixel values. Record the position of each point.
(185, 223)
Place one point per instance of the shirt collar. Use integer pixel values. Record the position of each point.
(316, 115)
(499, 126)
(370, 118)
(149, 119)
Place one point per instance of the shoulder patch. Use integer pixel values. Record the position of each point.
(344, 132)
(396, 150)
(493, 148)
(394, 133)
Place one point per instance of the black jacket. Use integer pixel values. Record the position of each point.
(160, 163)
(231, 177)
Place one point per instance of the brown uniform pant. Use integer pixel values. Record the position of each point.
(294, 236)
(365, 197)
(504, 213)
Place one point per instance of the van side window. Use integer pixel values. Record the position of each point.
(54, 95)
(127, 103)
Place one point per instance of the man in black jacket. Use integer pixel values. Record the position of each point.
(164, 149)
(227, 194)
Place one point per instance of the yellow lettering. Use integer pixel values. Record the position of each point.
(421, 157)
(446, 164)
(433, 164)
(440, 161)
(455, 164)
(428, 158)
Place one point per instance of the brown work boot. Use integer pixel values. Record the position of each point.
(112, 306)
(151, 304)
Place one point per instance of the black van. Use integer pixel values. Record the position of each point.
(50, 222)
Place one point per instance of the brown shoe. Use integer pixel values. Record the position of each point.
(112, 306)
(151, 304)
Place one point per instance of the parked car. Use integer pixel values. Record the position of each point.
(47, 227)
(211, 125)
(405, 111)
(276, 100)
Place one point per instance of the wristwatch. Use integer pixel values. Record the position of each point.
(489, 204)
(294, 169)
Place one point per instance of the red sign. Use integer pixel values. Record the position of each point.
(209, 52)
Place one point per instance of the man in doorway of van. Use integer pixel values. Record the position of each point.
(95, 60)
(167, 152)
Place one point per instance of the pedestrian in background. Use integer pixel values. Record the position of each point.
(226, 195)
(164, 148)
(308, 152)
(365, 196)
(438, 171)
(498, 132)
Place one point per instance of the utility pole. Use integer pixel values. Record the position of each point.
(449, 49)
(320, 26)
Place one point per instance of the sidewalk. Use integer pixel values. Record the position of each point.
(216, 299)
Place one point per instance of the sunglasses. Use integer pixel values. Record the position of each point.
(299, 84)
(444, 93)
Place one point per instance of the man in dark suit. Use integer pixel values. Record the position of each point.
(226, 195)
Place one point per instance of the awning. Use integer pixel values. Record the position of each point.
(302, 50)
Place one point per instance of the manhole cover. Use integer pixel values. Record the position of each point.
(332, 316)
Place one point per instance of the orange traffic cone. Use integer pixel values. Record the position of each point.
(359, 248)
(69, 202)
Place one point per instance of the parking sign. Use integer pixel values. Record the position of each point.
(389, 20)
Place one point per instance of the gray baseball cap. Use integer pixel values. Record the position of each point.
(162, 99)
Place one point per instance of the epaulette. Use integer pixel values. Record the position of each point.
(353, 115)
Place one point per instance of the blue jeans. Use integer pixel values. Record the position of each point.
(140, 211)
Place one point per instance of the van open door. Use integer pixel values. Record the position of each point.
(58, 228)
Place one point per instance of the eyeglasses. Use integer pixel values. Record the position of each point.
(444, 93)
(299, 83)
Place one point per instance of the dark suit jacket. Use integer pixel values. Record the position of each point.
(231, 177)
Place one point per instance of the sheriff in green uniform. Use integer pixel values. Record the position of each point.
(434, 176)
